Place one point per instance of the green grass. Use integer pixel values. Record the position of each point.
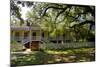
(54, 56)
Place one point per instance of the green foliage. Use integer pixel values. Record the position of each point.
(15, 46)
(58, 18)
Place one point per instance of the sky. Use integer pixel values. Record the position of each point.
(24, 11)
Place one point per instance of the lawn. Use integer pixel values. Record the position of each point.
(54, 56)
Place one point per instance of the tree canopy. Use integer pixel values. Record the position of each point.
(57, 18)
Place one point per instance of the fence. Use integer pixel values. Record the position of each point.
(67, 45)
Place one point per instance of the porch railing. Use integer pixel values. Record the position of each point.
(26, 39)
(36, 38)
(16, 38)
(55, 38)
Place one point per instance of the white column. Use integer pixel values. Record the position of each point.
(40, 38)
(30, 37)
(22, 36)
(12, 35)
(62, 39)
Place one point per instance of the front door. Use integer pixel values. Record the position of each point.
(34, 43)
(34, 35)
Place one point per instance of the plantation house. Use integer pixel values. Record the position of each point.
(32, 36)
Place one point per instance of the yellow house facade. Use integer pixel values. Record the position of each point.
(32, 36)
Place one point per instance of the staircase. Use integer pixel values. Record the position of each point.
(28, 39)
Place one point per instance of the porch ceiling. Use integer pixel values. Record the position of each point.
(24, 28)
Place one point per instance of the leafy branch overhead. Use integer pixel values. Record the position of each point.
(70, 10)
(56, 18)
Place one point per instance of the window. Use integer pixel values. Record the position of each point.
(26, 34)
(17, 34)
(34, 34)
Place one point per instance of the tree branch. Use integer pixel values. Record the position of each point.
(85, 22)
(45, 9)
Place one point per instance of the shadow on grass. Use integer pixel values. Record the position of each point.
(39, 57)
(42, 57)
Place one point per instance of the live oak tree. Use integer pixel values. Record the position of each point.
(57, 18)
